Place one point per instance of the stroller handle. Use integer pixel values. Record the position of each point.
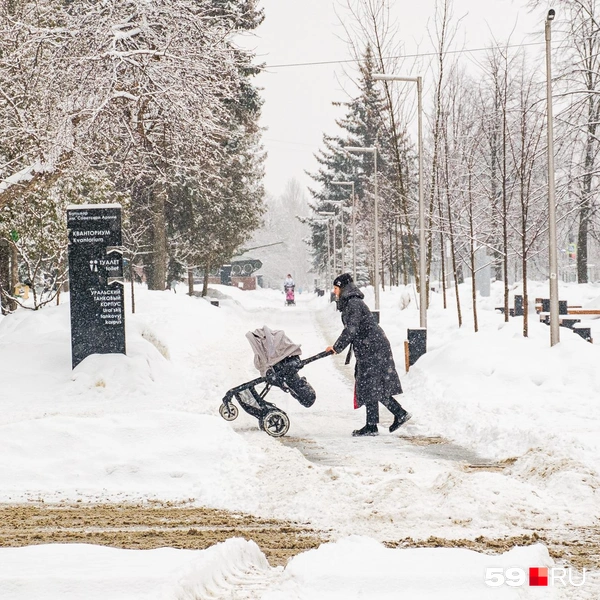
(310, 359)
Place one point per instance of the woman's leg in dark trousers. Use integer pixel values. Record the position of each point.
(372, 419)
(400, 415)
(372, 413)
(393, 406)
(390, 403)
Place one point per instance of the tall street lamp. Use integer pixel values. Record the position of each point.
(351, 183)
(328, 216)
(372, 150)
(554, 318)
(340, 204)
(422, 242)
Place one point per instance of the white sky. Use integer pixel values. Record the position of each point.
(298, 108)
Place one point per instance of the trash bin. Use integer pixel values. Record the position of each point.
(416, 345)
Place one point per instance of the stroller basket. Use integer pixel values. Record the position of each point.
(283, 375)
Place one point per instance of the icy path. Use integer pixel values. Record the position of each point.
(406, 484)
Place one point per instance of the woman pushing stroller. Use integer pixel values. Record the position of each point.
(375, 371)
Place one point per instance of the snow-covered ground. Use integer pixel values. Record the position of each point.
(515, 424)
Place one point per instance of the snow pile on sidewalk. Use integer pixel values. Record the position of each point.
(354, 567)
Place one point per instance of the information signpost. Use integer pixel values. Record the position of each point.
(96, 280)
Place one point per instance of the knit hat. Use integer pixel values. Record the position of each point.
(342, 280)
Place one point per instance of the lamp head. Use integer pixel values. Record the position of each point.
(369, 149)
(551, 14)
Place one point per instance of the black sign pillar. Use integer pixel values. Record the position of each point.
(96, 280)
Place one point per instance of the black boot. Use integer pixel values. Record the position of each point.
(399, 420)
(366, 430)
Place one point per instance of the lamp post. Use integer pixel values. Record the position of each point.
(554, 318)
(372, 150)
(351, 183)
(340, 203)
(328, 216)
(422, 241)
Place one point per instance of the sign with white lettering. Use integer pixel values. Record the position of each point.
(96, 280)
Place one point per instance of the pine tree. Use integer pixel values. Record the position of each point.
(362, 126)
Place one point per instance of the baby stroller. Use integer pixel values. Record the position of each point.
(290, 299)
(278, 361)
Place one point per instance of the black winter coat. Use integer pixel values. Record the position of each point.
(375, 371)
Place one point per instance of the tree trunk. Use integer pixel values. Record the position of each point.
(190, 274)
(472, 249)
(494, 192)
(14, 276)
(157, 271)
(454, 267)
(524, 253)
(591, 150)
(525, 301)
(131, 275)
(205, 283)
(585, 208)
(442, 251)
(4, 276)
(505, 201)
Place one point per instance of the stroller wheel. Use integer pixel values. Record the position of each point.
(228, 411)
(276, 423)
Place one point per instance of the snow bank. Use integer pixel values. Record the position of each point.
(353, 567)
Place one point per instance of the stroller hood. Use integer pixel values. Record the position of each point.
(270, 347)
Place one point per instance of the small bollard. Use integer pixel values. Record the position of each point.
(518, 310)
(416, 345)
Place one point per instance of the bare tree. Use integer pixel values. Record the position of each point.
(526, 149)
(578, 98)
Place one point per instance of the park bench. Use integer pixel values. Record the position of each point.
(568, 316)
(578, 310)
(572, 323)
